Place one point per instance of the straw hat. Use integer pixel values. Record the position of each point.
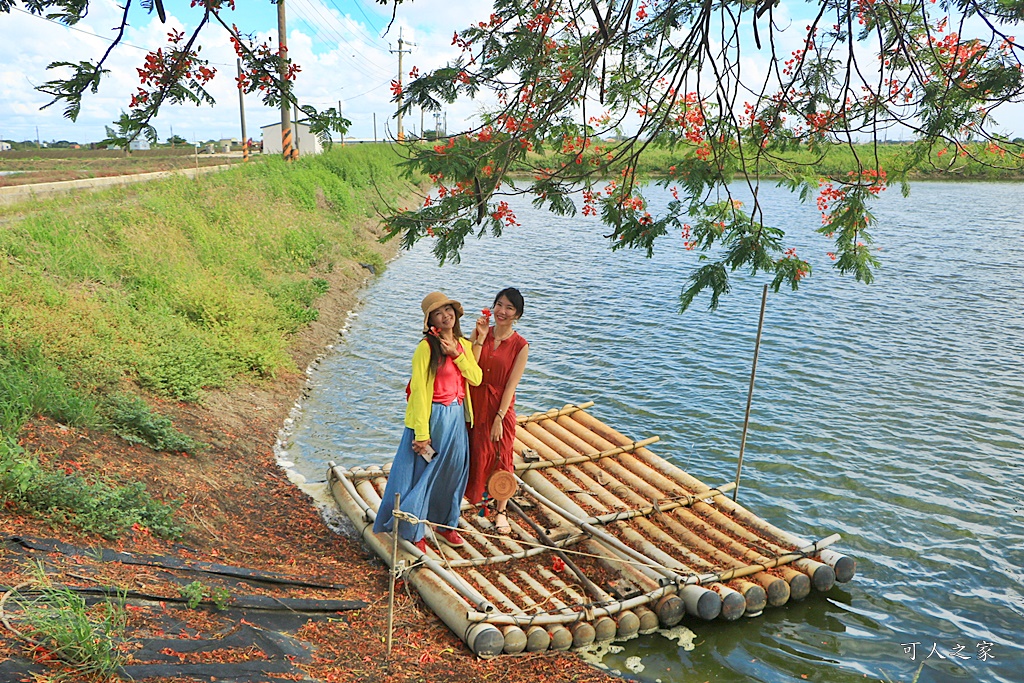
(434, 301)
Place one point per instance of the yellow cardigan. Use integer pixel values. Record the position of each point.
(421, 386)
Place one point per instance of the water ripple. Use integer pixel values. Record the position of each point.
(892, 414)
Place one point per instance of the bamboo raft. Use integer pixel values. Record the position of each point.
(608, 540)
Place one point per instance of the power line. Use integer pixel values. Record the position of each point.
(368, 21)
(366, 63)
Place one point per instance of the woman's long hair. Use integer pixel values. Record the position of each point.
(436, 353)
(514, 298)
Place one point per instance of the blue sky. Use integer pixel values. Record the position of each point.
(339, 44)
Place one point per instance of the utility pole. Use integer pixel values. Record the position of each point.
(286, 124)
(241, 110)
(400, 51)
(421, 122)
(339, 114)
(375, 126)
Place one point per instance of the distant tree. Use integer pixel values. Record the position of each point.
(681, 76)
(174, 73)
(671, 75)
(176, 140)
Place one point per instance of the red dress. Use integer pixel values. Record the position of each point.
(486, 456)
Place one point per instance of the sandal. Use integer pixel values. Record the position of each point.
(502, 529)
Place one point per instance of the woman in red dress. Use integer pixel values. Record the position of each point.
(501, 353)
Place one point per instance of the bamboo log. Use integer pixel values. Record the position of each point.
(670, 610)
(448, 605)
(648, 620)
(561, 637)
(553, 413)
(733, 603)
(627, 624)
(820, 578)
(514, 637)
(843, 566)
(583, 632)
(475, 599)
(537, 638)
(777, 588)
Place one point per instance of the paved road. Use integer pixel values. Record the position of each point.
(21, 193)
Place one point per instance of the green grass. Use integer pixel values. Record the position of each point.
(177, 286)
(64, 627)
(168, 288)
(100, 507)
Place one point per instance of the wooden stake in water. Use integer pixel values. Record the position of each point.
(750, 391)
(391, 587)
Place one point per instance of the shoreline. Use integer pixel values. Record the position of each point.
(245, 510)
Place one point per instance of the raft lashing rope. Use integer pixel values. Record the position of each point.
(608, 540)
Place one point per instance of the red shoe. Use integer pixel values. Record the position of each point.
(452, 538)
(421, 544)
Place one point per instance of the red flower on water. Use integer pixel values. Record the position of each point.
(486, 312)
(557, 564)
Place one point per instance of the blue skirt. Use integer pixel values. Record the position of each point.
(431, 491)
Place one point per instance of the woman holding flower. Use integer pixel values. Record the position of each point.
(501, 353)
(432, 463)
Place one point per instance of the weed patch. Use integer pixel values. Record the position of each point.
(69, 499)
(62, 626)
(132, 419)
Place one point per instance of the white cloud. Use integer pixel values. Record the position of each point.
(340, 55)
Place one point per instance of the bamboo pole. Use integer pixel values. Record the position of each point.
(843, 566)
(391, 586)
(573, 460)
(553, 413)
(750, 391)
(448, 604)
(537, 638)
(475, 599)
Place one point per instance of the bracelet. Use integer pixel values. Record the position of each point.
(476, 343)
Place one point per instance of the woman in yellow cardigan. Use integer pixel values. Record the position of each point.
(431, 466)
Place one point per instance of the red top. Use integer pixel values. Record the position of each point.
(486, 456)
(448, 383)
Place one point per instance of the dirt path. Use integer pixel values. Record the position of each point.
(244, 512)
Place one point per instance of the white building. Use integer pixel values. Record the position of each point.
(4, 146)
(308, 143)
(139, 143)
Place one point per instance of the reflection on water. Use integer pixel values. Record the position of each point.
(891, 413)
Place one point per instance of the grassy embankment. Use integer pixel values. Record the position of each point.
(979, 163)
(165, 289)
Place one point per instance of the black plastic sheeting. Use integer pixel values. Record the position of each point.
(260, 635)
(245, 602)
(165, 561)
(280, 650)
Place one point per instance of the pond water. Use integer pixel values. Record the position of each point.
(891, 413)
